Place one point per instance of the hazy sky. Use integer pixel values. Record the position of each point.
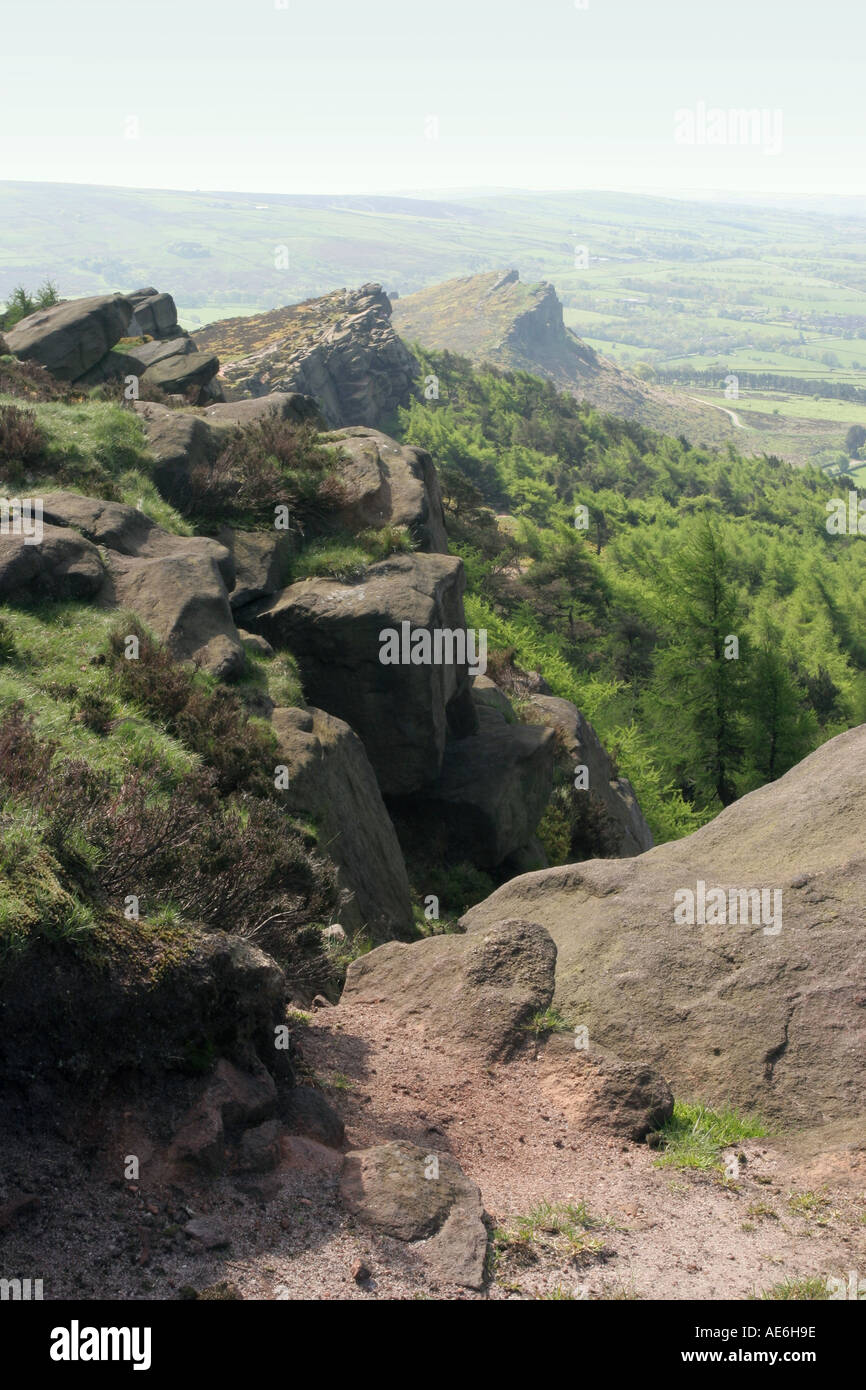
(324, 96)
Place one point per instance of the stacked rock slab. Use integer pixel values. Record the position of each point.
(70, 338)
(400, 711)
(176, 585)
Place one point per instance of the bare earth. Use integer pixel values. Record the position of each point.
(665, 1233)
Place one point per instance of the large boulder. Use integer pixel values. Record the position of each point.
(335, 631)
(287, 405)
(182, 373)
(491, 791)
(183, 599)
(422, 1197)
(62, 565)
(769, 1014)
(330, 778)
(387, 484)
(475, 993)
(154, 314)
(260, 560)
(582, 747)
(180, 441)
(71, 337)
(130, 531)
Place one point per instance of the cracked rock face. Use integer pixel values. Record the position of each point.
(773, 1021)
(355, 366)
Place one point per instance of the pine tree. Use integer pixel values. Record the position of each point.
(697, 694)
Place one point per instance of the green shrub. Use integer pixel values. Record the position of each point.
(21, 304)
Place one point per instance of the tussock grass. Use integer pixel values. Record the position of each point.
(695, 1136)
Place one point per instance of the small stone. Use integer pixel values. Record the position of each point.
(361, 1272)
(210, 1232)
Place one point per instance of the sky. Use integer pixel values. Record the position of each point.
(388, 96)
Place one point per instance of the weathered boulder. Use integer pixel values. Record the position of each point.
(595, 1090)
(387, 484)
(180, 441)
(764, 1006)
(491, 791)
(288, 405)
(153, 314)
(183, 373)
(183, 599)
(330, 778)
(583, 747)
(129, 531)
(71, 337)
(62, 565)
(334, 630)
(411, 1195)
(477, 993)
(260, 560)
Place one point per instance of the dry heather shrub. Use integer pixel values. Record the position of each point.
(22, 442)
(274, 462)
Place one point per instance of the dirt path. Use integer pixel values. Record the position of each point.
(738, 424)
(654, 1233)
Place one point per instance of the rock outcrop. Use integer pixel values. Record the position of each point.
(495, 317)
(583, 748)
(387, 484)
(70, 338)
(400, 711)
(475, 993)
(330, 778)
(770, 1014)
(341, 349)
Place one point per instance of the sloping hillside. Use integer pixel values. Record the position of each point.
(497, 318)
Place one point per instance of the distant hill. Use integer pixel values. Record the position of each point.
(497, 318)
